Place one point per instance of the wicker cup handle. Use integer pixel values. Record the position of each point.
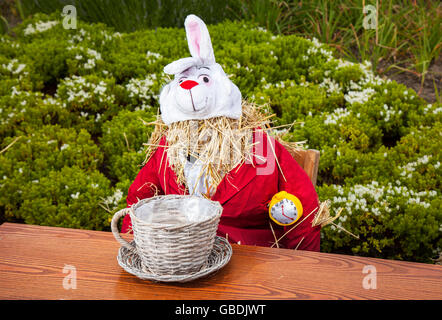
(114, 227)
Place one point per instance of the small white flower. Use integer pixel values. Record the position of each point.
(141, 88)
(114, 199)
(331, 85)
(153, 55)
(359, 96)
(337, 114)
(40, 26)
(89, 64)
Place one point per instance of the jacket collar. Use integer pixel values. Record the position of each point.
(233, 182)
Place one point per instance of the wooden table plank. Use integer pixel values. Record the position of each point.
(32, 259)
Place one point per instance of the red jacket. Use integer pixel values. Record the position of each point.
(244, 194)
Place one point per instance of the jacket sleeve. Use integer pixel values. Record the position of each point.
(295, 181)
(145, 185)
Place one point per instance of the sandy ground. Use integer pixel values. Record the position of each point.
(432, 81)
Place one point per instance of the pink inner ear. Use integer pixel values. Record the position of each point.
(195, 36)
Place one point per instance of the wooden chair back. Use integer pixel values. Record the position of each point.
(309, 161)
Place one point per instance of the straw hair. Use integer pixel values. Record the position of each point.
(322, 218)
(10, 145)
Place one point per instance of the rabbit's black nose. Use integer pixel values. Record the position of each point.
(188, 84)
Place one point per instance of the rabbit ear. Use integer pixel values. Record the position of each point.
(198, 39)
(180, 65)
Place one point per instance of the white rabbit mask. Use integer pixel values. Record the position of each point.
(200, 89)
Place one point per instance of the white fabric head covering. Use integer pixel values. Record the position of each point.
(201, 89)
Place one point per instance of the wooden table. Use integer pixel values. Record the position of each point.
(32, 260)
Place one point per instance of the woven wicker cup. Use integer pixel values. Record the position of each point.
(168, 249)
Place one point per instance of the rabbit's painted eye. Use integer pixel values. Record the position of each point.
(181, 80)
(205, 78)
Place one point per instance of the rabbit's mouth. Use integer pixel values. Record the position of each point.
(194, 102)
(191, 98)
(195, 109)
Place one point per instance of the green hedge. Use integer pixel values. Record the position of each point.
(122, 143)
(78, 101)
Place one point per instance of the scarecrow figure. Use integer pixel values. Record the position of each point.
(207, 142)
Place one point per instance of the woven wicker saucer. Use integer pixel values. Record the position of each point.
(218, 258)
